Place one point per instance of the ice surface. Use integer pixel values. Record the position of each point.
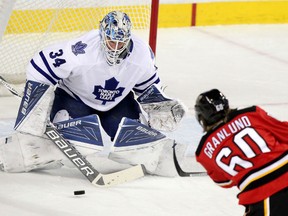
(247, 62)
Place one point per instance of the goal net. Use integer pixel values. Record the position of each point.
(28, 26)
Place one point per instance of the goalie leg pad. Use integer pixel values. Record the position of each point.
(166, 166)
(146, 154)
(35, 108)
(84, 132)
(157, 157)
(136, 143)
(21, 152)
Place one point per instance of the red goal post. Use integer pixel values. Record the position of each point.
(28, 26)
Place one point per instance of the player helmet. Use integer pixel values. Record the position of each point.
(211, 107)
(115, 32)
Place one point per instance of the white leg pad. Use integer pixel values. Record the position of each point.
(157, 157)
(21, 152)
(166, 166)
(146, 154)
(32, 116)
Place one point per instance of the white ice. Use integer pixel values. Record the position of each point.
(248, 63)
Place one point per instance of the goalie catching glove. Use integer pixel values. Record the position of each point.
(164, 113)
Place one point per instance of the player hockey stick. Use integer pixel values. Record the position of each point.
(179, 169)
(95, 177)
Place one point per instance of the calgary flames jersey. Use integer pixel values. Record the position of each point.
(249, 151)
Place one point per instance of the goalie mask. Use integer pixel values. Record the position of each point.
(115, 31)
(211, 107)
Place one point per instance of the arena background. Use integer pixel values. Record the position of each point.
(172, 13)
(207, 13)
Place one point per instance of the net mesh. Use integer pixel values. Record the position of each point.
(35, 24)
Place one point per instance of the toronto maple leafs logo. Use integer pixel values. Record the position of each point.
(109, 92)
(78, 48)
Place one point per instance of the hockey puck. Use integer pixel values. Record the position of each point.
(79, 192)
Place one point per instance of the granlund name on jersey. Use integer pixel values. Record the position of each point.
(249, 151)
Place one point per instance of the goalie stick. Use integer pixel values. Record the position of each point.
(179, 169)
(95, 177)
(9, 87)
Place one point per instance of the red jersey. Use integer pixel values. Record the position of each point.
(249, 151)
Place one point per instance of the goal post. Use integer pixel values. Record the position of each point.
(153, 25)
(28, 26)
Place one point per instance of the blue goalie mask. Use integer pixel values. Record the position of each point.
(115, 31)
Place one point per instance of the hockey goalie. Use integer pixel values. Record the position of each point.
(102, 92)
(28, 148)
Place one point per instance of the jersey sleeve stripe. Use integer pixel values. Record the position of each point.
(138, 91)
(48, 66)
(143, 83)
(142, 90)
(43, 73)
(266, 174)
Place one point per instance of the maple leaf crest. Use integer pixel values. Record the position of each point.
(78, 48)
(109, 92)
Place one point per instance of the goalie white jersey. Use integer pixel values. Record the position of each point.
(80, 68)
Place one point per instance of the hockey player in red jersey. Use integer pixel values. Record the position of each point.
(246, 148)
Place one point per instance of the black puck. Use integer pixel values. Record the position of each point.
(79, 192)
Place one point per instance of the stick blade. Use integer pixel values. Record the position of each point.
(126, 175)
